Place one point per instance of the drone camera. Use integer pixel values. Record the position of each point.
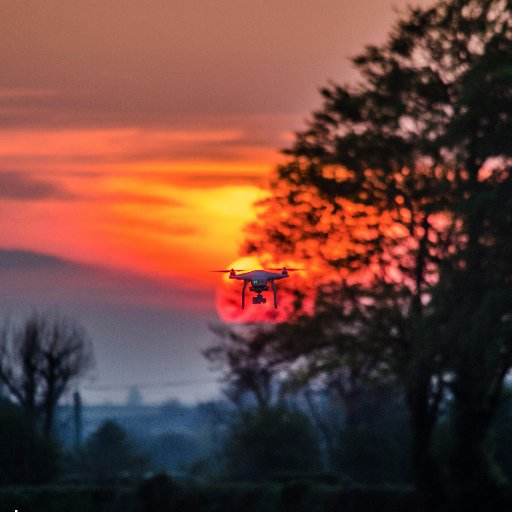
(259, 299)
(258, 288)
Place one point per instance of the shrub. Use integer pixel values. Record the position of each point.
(269, 440)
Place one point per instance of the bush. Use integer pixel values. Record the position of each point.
(157, 494)
(162, 494)
(109, 454)
(26, 457)
(317, 477)
(270, 440)
(62, 499)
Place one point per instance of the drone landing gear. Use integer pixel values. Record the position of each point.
(275, 292)
(243, 294)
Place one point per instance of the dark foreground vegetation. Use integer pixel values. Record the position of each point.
(274, 458)
(161, 494)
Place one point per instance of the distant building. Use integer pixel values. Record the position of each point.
(134, 398)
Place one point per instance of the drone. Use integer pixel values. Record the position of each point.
(259, 281)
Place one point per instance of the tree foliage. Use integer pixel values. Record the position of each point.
(250, 362)
(269, 440)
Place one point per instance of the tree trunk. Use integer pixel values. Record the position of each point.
(476, 482)
(426, 472)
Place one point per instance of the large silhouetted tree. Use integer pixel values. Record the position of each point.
(39, 360)
(400, 187)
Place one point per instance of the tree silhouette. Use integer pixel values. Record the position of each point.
(27, 458)
(269, 440)
(400, 189)
(109, 453)
(250, 362)
(39, 360)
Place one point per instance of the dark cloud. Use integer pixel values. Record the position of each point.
(35, 278)
(23, 187)
(227, 151)
(23, 260)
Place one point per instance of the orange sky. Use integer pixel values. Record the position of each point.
(137, 134)
(79, 193)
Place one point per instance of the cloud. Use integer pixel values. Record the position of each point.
(37, 278)
(213, 180)
(200, 178)
(24, 93)
(133, 148)
(22, 187)
(135, 199)
(23, 260)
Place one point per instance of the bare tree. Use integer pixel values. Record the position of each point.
(251, 365)
(39, 360)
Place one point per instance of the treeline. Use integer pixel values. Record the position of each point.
(309, 437)
(161, 494)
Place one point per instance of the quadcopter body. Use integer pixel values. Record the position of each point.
(259, 282)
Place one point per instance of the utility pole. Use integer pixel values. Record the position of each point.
(77, 420)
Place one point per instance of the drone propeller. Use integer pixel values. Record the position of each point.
(288, 269)
(228, 271)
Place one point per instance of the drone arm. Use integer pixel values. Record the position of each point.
(275, 292)
(243, 294)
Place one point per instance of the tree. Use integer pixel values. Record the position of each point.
(27, 458)
(109, 453)
(271, 440)
(39, 361)
(400, 187)
(375, 449)
(250, 363)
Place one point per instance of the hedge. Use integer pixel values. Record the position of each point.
(162, 494)
(64, 499)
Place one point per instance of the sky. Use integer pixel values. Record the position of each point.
(135, 137)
